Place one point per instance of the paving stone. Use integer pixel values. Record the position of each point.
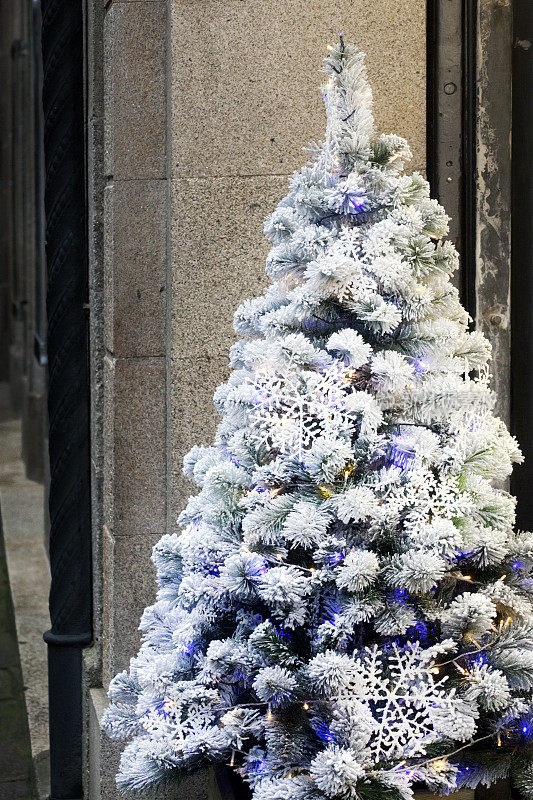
(22, 507)
(16, 768)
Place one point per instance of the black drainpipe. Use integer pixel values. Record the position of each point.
(68, 390)
(522, 259)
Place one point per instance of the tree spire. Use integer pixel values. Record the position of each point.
(348, 100)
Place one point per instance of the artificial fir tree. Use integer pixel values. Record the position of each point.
(347, 612)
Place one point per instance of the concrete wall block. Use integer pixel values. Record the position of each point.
(135, 268)
(193, 418)
(218, 256)
(245, 77)
(129, 586)
(107, 321)
(108, 433)
(96, 542)
(108, 607)
(135, 90)
(134, 445)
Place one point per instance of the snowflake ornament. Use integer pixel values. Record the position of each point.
(295, 407)
(400, 700)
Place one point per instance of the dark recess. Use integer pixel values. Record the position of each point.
(468, 159)
(522, 259)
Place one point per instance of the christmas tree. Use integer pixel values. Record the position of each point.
(347, 612)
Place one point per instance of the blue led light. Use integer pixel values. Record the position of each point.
(324, 733)
(334, 612)
(400, 454)
(419, 631)
(333, 558)
(420, 367)
(163, 708)
(258, 765)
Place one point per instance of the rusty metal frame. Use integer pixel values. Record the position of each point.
(451, 126)
(493, 189)
(469, 50)
(444, 108)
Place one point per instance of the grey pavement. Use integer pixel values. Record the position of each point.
(24, 617)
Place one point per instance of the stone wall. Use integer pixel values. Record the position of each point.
(197, 117)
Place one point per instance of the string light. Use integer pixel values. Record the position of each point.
(165, 707)
(347, 471)
(324, 492)
(306, 706)
(401, 455)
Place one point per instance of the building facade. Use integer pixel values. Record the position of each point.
(194, 118)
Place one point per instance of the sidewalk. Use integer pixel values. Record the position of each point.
(24, 618)
(16, 769)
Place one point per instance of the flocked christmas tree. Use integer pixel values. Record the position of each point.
(347, 612)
